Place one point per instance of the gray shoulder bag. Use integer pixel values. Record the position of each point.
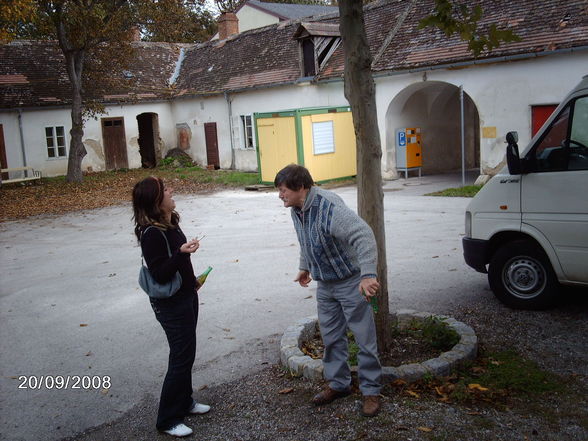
(148, 283)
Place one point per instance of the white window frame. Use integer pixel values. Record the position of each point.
(55, 142)
(247, 125)
(323, 137)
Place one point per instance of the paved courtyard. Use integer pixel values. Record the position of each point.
(70, 305)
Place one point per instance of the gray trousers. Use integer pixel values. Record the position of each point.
(341, 306)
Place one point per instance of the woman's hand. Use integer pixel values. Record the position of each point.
(190, 247)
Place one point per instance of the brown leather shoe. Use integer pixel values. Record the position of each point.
(328, 395)
(371, 405)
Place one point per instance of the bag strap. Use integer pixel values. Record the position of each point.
(164, 236)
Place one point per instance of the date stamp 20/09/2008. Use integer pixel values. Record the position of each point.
(58, 382)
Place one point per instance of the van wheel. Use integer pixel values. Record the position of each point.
(521, 276)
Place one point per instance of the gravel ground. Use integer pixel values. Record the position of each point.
(271, 405)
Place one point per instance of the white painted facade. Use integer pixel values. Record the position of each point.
(499, 95)
(252, 18)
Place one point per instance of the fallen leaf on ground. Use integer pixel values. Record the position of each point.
(286, 391)
(424, 429)
(476, 386)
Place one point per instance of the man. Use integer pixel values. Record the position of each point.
(338, 250)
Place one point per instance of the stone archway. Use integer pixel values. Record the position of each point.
(434, 106)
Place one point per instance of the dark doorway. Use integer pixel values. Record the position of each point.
(115, 146)
(212, 157)
(148, 136)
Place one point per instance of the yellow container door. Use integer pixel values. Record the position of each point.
(277, 145)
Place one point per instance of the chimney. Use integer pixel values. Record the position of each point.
(228, 24)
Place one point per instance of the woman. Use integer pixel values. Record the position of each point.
(154, 206)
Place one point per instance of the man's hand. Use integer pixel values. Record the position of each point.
(369, 287)
(303, 278)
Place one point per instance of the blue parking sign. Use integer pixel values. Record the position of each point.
(401, 138)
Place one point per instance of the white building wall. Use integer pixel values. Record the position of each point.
(195, 112)
(9, 121)
(35, 121)
(502, 92)
(251, 18)
(93, 133)
(33, 136)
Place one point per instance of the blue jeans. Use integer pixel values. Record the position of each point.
(178, 316)
(340, 305)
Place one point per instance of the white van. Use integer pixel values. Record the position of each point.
(528, 226)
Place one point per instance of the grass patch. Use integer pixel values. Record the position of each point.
(468, 191)
(508, 371)
(436, 333)
(496, 378)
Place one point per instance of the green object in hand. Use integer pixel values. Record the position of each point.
(202, 277)
(372, 301)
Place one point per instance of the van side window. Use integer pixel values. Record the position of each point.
(578, 157)
(558, 152)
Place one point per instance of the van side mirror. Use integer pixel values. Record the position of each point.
(512, 153)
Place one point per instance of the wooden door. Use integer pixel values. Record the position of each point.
(115, 146)
(3, 161)
(212, 156)
(277, 145)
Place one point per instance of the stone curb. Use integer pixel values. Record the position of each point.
(303, 330)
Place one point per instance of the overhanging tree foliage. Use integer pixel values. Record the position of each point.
(360, 92)
(94, 37)
(178, 21)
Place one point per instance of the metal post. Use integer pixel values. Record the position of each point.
(22, 143)
(462, 136)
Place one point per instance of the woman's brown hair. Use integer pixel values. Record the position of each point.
(147, 197)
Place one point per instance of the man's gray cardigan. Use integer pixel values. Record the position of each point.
(335, 243)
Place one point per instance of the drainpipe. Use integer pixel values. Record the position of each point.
(230, 108)
(462, 136)
(22, 143)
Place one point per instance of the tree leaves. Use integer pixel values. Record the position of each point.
(457, 18)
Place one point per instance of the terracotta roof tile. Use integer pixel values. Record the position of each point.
(542, 25)
(259, 57)
(31, 73)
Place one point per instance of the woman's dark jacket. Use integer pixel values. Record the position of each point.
(160, 265)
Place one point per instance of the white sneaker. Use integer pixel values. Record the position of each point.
(179, 430)
(199, 409)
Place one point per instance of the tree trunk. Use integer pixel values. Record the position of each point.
(77, 151)
(360, 92)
